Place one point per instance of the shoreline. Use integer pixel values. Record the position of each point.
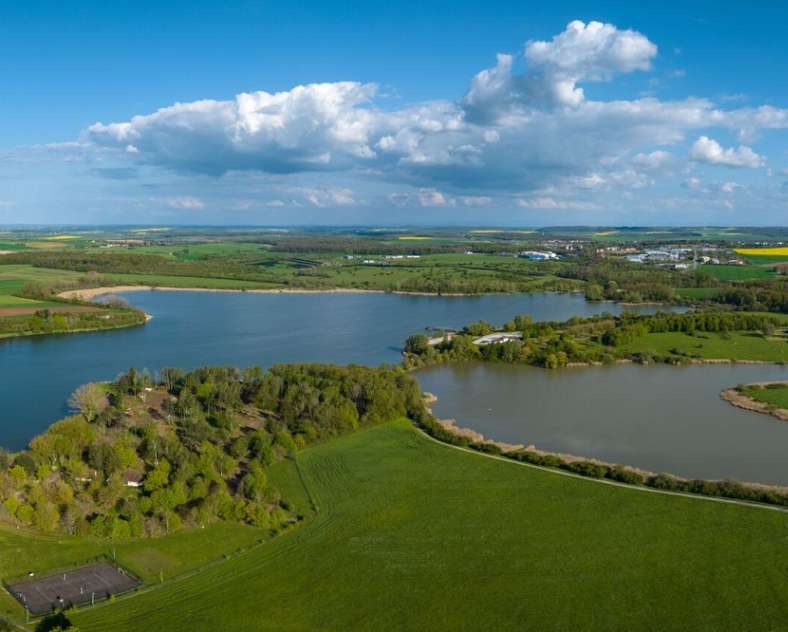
(90, 293)
(63, 332)
(450, 426)
(740, 400)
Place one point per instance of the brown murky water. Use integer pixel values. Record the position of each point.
(660, 418)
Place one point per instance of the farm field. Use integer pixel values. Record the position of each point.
(412, 534)
(777, 251)
(711, 345)
(738, 273)
(764, 255)
(697, 293)
(168, 280)
(14, 277)
(430, 272)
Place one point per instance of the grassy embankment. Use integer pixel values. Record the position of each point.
(412, 534)
(773, 395)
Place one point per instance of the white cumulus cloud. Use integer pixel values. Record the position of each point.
(523, 126)
(708, 150)
(186, 202)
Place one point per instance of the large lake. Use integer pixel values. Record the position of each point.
(660, 418)
(190, 329)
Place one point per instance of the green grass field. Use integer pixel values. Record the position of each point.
(163, 280)
(11, 245)
(775, 396)
(14, 277)
(697, 292)
(169, 556)
(738, 273)
(765, 259)
(415, 535)
(710, 345)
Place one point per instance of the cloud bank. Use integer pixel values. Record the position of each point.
(525, 130)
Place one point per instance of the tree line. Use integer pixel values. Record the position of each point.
(579, 340)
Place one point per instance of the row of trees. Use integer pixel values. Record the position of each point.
(631, 328)
(770, 296)
(146, 456)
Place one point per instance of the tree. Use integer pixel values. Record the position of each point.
(158, 477)
(45, 516)
(88, 399)
(255, 482)
(417, 344)
(171, 377)
(595, 292)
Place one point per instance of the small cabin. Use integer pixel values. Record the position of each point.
(132, 479)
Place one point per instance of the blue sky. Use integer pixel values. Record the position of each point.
(616, 113)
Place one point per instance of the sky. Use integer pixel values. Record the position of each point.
(436, 113)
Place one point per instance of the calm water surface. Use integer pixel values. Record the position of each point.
(190, 329)
(660, 418)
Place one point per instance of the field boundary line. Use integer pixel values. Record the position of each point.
(636, 488)
(309, 495)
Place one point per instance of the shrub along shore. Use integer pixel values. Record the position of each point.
(600, 470)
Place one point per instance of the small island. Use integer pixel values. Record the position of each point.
(770, 398)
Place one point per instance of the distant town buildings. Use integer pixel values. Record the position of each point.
(536, 255)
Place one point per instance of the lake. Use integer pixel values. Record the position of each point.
(190, 329)
(660, 418)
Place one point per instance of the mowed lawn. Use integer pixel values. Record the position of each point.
(712, 346)
(416, 535)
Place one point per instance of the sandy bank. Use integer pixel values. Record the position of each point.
(89, 293)
(468, 433)
(740, 400)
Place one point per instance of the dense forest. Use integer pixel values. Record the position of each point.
(145, 456)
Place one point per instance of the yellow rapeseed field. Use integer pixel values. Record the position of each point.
(780, 251)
